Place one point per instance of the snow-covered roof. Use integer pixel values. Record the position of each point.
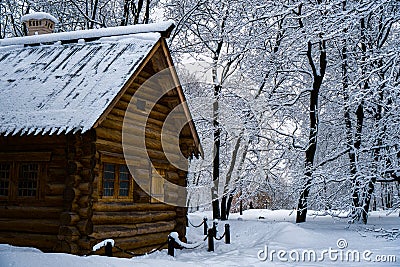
(61, 88)
(161, 27)
(38, 16)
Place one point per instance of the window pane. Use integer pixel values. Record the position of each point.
(4, 178)
(123, 181)
(28, 180)
(108, 179)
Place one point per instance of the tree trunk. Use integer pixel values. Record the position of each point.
(224, 208)
(217, 143)
(228, 205)
(312, 138)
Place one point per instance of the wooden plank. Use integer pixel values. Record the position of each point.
(131, 217)
(116, 207)
(43, 226)
(25, 156)
(41, 241)
(29, 212)
(130, 230)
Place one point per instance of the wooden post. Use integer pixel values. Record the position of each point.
(227, 234)
(108, 249)
(210, 239)
(171, 245)
(205, 225)
(241, 207)
(214, 228)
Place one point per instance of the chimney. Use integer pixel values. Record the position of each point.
(39, 23)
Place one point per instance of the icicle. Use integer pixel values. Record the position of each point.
(62, 129)
(46, 130)
(38, 131)
(53, 130)
(31, 131)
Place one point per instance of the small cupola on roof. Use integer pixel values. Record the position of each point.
(39, 23)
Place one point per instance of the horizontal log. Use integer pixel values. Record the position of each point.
(73, 167)
(43, 226)
(117, 148)
(30, 212)
(86, 212)
(85, 201)
(54, 201)
(68, 238)
(43, 242)
(158, 108)
(69, 218)
(86, 244)
(85, 227)
(54, 189)
(131, 118)
(85, 188)
(108, 231)
(138, 244)
(71, 206)
(126, 207)
(66, 247)
(70, 194)
(73, 180)
(131, 243)
(87, 175)
(131, 217)
(156, 227)
(68, 231)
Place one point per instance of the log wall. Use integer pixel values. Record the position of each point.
(76, 220)
(36, 222)
(140, 224)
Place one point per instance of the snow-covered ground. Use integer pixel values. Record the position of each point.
(321, 241)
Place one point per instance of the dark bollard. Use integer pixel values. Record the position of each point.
(108, 249)
(171, 245)
(227, 234)
(205, 225)
(214, 228)
(210, 240)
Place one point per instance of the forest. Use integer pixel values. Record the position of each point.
(296, 101)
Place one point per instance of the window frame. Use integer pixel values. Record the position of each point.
(116, 193)
(16, 160)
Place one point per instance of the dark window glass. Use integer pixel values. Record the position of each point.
(108, 180)
(28, 180)
(4, 178)
(123, 181)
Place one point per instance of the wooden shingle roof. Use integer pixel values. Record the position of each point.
(61, 87)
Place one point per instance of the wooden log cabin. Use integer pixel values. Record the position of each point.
(70, 117)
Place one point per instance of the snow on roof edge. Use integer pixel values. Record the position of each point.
(38, 16)
(85, 34)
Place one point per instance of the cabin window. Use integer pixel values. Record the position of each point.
(124, 181)
(20, 180)
(28, 179)
(23, 175)
(4, 179)
(117, 181)
(109, 180)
